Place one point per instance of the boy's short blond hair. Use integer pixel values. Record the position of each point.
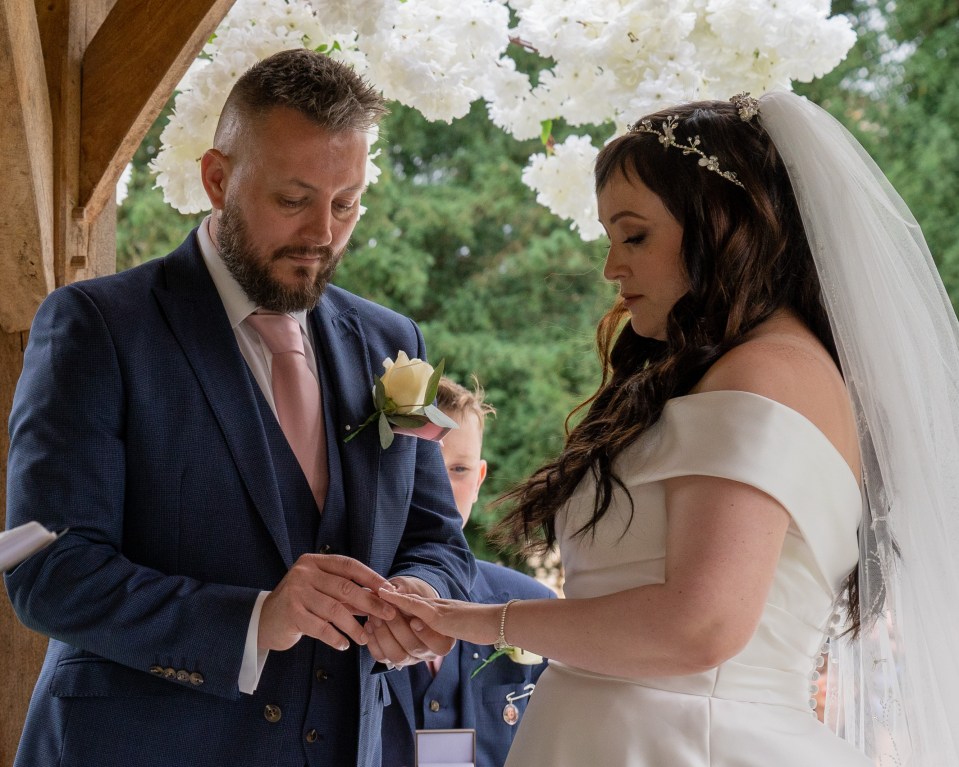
(454, 400)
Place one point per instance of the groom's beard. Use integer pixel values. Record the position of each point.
(253, 271)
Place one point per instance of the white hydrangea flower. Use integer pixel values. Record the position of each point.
(573, 88)
(510, 101)
(785, 42)
(604, 61)
(436, 54)
(563, 183)
(610, 52)
(372, 169)
(363, 16)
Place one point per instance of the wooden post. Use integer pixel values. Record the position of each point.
(26, 276)
(81, 81)
(22, 649)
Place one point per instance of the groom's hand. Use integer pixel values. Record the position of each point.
(395, 643)
(319, 597)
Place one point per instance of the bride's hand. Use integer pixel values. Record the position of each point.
(476, 623)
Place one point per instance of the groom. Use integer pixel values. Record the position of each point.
(205, 605)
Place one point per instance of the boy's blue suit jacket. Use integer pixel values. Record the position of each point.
(476, 703)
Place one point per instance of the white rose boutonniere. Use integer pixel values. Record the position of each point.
(403, 398)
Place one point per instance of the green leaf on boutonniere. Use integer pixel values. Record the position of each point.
(434, 383)
(386, 433)
(486, 662)
(379, 393)
(437, 416)
(367, 422)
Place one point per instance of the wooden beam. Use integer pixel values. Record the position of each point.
(26, 167)
(130, 70)
(64, 34)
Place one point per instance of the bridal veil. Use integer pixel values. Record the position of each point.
(893, 690)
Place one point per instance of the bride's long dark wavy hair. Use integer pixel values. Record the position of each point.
(746, 256)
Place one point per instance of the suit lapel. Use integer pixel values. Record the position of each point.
(342, 349)
(197, 319)
(401, 687)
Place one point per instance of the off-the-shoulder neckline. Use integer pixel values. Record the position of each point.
(778, 405)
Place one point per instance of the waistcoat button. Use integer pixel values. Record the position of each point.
(272, 713)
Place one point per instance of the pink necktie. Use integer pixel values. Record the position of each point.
(296, 394)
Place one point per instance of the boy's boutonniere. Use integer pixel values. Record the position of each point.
(515, 654)
(402, 397)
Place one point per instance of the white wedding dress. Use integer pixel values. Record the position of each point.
(756, 709)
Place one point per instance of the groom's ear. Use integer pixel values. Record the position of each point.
(214, 171)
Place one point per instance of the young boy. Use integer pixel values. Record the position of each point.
(446, 697)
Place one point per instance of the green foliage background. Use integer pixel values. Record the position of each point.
(506, 292)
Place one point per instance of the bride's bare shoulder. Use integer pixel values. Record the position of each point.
(783, 360)
(780, 358)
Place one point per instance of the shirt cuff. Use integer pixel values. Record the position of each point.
(253, 657)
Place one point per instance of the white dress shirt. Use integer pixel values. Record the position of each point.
(258, 356)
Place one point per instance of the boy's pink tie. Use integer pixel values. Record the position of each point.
(296, 394)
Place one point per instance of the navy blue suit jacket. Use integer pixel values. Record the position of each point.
(137, 425)
(462, 702)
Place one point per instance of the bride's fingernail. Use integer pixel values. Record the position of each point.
(416, 625)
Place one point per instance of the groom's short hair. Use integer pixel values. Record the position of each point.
(324, 90)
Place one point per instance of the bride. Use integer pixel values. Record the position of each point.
(766, 472)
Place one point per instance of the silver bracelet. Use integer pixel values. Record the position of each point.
(501, 643)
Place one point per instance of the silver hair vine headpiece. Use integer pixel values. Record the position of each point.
(746, 105)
